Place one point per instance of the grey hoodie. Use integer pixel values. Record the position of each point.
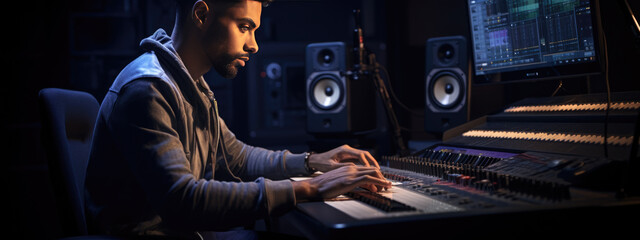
(164, 163)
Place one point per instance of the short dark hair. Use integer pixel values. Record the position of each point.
(184, 6)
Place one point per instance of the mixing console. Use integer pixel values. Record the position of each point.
(452, 179)
(540, 157)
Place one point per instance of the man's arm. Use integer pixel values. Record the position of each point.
(340, 173)
(249, 162)
(144, 122)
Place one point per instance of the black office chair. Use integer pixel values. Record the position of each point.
(68, 118)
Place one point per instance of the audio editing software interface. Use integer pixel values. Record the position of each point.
(522, 34)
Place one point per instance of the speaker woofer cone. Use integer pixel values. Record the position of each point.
(446, 90)
(326, 92)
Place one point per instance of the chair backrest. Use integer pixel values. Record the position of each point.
(68, 119)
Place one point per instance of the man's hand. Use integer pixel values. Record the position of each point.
(341, 174)
(340, 181)
(341, 156)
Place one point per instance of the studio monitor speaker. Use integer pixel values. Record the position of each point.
(268, 107)
(447, 84)
(336, 102)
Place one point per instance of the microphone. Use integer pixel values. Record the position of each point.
(358, 46)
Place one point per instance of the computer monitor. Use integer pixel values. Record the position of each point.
(515, 40)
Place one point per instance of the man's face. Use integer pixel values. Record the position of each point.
(230, 37)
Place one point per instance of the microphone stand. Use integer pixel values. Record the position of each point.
(386, 100)
(362, 69)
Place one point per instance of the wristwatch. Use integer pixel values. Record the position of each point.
(307, 155)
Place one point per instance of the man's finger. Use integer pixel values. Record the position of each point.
(363, 159)
(370, 187)
(371, 172)
(368, 179)
(371, 159)
(339, 165)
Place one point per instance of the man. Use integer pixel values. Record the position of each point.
(164, 163)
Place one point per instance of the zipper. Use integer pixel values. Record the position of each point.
(220, 139)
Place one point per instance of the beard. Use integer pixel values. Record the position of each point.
(225, 66)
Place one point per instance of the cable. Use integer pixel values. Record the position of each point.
(377, 66)
(393, 94)
(386, 101)
(606, 79)
(557, 89)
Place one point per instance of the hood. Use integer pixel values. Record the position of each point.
(162, 45)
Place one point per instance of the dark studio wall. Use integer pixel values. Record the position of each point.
(73, 44)
(82, 45)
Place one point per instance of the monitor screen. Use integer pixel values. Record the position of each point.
(533, 39)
